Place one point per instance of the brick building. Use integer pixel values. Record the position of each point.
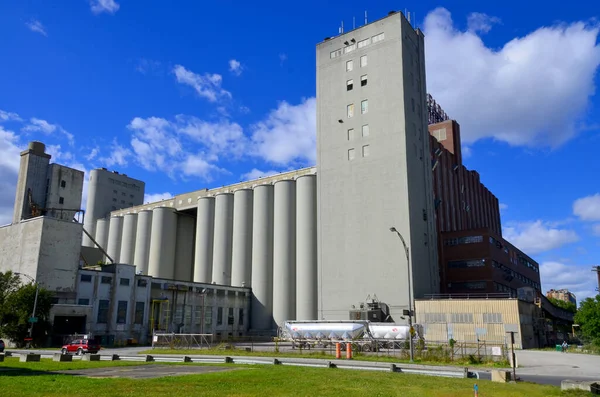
(473, 256)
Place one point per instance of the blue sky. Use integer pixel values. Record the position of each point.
(202, 94)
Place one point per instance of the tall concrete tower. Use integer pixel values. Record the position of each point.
(109, 191)
(32, 181)
(374, 169)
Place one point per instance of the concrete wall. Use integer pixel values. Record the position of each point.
(109, 191)
(369, 183)
(65, 186)
(44, 248)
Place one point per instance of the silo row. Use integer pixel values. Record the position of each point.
(157, 242)
(263, 238)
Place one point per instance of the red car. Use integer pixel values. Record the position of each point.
(81, 346)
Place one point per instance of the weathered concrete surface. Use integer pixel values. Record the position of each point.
(593, 387)
(29, 358)
(62, 357)
(501, 376)
(90, 357)
(147, 371)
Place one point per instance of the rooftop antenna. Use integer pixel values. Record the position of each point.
(365, 17)
(353, 23)
(342, 27)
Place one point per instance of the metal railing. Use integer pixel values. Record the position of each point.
(481, 295)
(181, 341)
(450, 372)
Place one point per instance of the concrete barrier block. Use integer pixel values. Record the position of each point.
(331, 365)
(2, 358)
(187, 359)
(501, 376)
(62, 357)
(115, 357)
(228, 360)
(8, 354)
(90, 357)
(30, 358)
(276, 362)
(592, 387)
(149, 358)
(393, 368)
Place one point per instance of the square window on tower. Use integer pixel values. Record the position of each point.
(349, 85)
(349, 65)
(363, 80)
(350, 110)
(363, 61)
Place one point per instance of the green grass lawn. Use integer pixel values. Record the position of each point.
(382, 357)
(250, 381)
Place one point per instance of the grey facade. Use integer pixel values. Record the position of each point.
(109, 191)
(46, 189)
(374, 170)
(259, 234)
(114, 305)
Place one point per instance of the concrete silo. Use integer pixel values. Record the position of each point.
(241, 258)
(142, 242)
(115, 234)
(262, 258)
(284, 252)
(205, 227)
(101, 236)
(223, 239)
(306, 248)
(162, 243)
(128, 239)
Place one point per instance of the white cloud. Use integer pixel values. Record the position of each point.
(596, 229)
(197, 165)
(506, 93)
(256, 174)
(154, 197)
(244, 109)
(588, 208)
(9, 169)
(186, 145)
(36, 26)
(536, 237)
(282, 58)
(207, 85)
(220, 137)
(235, 67)
(39, 125)
(479, 22)
(58, 155)
(93, 153)
(118, 155)
(288, 134)
(8, 116)
(147, 65)
(577, 279)
(503, 206)
(107, 6)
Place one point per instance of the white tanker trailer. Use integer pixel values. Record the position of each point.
(365, 334)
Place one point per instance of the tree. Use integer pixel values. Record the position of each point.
(16, 306)
(569, 306)
(588, 318)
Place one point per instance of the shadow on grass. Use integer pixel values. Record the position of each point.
(16, 371)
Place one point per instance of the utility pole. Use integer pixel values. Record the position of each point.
(410, 311)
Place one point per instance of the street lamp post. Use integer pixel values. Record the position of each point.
(410, 309)
(37, 290)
